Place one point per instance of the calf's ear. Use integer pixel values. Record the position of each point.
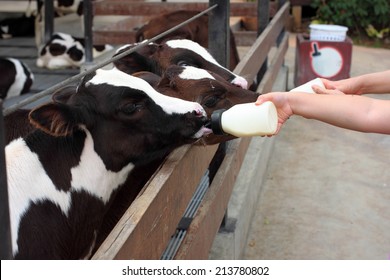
(62, 95)
(53, 118)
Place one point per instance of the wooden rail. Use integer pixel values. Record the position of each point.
(145, 229)
(123, 31)
(123, 7)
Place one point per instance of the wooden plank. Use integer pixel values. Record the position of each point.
(274, 67)
(245, 38)
(145, 229)
(156, 8)
(300, 2)
(200, 235)
(259, 51)
(297, 16)
(119, 37)
(123, 32)
(101, 37)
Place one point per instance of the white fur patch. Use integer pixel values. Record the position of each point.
(170, 105)
(193, 73)
(91, 175)
(195, 47)
(123, 47)
(28, 182)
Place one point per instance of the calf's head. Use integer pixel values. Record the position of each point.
(195, 30)
(205, 87)
(157, 58)
(129, 120)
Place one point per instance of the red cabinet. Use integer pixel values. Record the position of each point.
(324, 59)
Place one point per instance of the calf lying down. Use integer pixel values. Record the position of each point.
(63, 174)
(66, 51)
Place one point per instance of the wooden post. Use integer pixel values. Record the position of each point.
(5, 229)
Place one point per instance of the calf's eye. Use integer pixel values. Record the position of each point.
(131, 108)
(183, 63)
(211, 101)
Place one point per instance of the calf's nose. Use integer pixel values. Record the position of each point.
(241, 82)
(199, 111)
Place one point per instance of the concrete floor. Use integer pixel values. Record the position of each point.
(327, 190)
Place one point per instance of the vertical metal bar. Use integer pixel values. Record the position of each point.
(219, 35)
(281, 35)
(263, 8)
(262, 22)
(49, 19)
(5, 228)
(88, 18)
(219, 47)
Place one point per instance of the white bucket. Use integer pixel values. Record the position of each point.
(326, 32)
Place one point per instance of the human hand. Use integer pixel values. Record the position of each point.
(345, 86)
(329, 88)
(280, 100)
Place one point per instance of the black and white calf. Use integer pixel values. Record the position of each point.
(62, 176)
(16, 78)
(17, 27)
(65, 51)
(156, 58)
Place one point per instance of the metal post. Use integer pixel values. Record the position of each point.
(262, 22)
(88, 18)
(262, 15)
(5, 229)
(219, 47)
(49, 19)
(281, 35)
(219, 31)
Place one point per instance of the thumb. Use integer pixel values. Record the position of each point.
(328, 83)
(263, 98)
(320, 90)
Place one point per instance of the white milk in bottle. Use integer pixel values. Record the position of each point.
(306, 87)
(246, 119)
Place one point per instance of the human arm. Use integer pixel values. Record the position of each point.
(352, 112)
(378, 82)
